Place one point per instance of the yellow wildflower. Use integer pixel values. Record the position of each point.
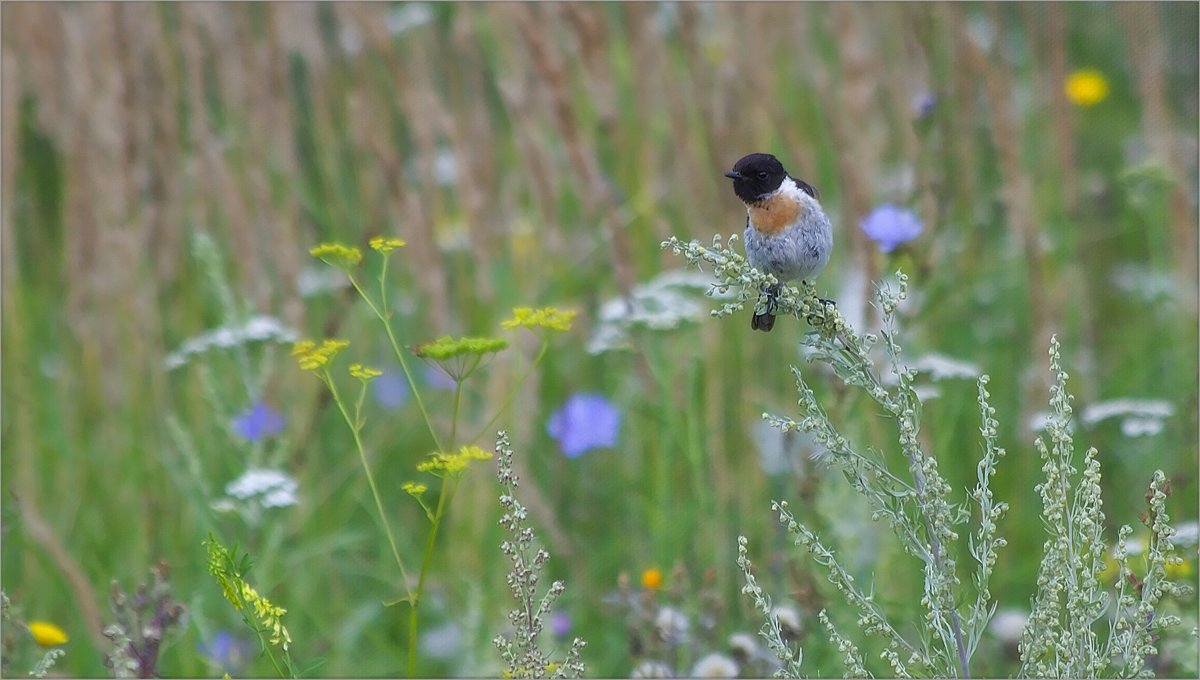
(223, 565)
(47, 634)
(547, 317)
(364, 373)
(337, 255)
(652, 579)
(413, 488)
(386, 245)
(452, 463)
(1179, 568)
(1086, 87)
(311, 357)
(268, 614)
(448, 348)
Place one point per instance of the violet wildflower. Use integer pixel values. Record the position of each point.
(258, 422)
(391, 390)
(227, 652)
(923, 104)
(584, 422)
(889, 225)
(560, 624)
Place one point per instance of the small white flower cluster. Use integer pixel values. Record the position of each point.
(275, 489)
(938, 367)
(258, 489)
(1139, 417)
(663, 303)
(259, 328)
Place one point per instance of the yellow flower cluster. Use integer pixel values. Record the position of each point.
(268, 614)
(47, 634)
(364, 373)
(386, 245)
(222, 565)
(337, 255)
(1086, 87)
(448, 348)
(413, 488)
(311, 356)
(547, 317)
(452, 463)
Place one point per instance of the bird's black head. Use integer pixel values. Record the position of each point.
(756, 175)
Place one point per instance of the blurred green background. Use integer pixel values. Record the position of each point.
(537, 155)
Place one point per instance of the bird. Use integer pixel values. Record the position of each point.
(787, 231)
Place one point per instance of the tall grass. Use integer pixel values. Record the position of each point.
(536, 154)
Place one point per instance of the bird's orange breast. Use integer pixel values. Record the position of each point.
(774, 214)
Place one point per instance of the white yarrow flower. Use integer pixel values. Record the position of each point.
(272, 488)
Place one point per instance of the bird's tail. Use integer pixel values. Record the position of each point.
(763, 322)
(766, 321)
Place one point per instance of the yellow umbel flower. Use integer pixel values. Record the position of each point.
(1086, 87)
(337, 255)
(386, 245)
(547, 317)
(364, 373)
(413, 488)
(448, 348)
(47, 634)
(452, 463)
(311, 357)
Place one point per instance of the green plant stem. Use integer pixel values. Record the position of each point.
(386, 319)
(443, 501)
(454, 419)
(362, 455)
(516, 388)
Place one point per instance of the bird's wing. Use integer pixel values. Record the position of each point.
(807, 188)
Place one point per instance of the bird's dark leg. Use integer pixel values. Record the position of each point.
(813, 317)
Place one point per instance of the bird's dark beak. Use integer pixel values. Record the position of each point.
(733, 174)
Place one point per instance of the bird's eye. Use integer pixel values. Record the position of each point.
(762, 174)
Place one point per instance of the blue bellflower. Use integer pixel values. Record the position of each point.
(890, 225)
(584, 422)
(258, 422)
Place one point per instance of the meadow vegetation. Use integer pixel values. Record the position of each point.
(276, 276)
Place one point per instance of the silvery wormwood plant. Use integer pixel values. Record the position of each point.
(1060, 638)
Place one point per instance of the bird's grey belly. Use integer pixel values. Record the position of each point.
(795, 253)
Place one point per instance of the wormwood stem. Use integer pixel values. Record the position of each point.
(935, 549)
